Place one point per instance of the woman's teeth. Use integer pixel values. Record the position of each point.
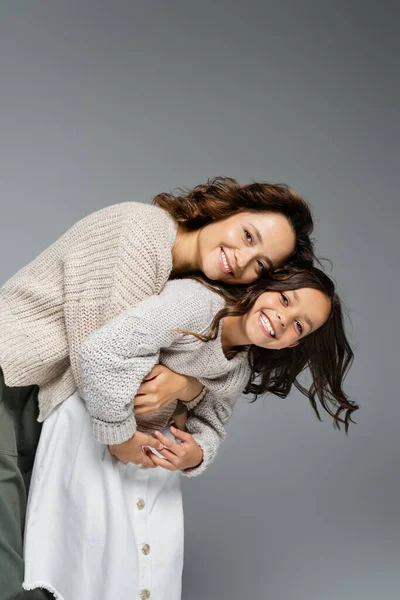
(266, 322)
(225, 262)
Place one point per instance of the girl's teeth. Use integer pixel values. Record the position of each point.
(267, 325)
(225, 262)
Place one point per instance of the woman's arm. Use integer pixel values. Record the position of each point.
(115, 358)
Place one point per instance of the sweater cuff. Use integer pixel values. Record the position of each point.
(192, 403)
(210, 450)
(113, 433)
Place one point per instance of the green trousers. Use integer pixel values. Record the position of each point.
(19, 437)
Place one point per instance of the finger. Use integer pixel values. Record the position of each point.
(146, 387)
(170, 444)
(181, 435)
(170, 456)
(149, 440)
(150, 455)
(146, 461)
(154, 372)
(144, 411)
(164, 463)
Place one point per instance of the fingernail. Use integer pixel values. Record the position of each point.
(173, 428)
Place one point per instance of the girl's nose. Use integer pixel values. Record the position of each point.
(281, 320)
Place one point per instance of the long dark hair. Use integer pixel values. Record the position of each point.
(326, 351)
(222, 197)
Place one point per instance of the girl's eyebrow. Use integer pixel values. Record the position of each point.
(296, 297)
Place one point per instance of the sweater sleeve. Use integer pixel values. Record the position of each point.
(122, 259)
(115, 358)
(206, 423)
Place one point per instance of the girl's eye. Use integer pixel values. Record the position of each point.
(249, 237)
(299, 327)
(285, 299)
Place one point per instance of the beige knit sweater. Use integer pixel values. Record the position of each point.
(105, 263)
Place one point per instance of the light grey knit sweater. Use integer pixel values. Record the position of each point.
(115, 359)
(105, 263)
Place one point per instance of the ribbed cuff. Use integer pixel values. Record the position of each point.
(113, 433)
(210, 451)
(192, 403)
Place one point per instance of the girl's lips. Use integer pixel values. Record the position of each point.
(222, 265)
(265, 331)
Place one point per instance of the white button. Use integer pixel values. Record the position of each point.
(144, 595)
(140, 503)
(146, 549)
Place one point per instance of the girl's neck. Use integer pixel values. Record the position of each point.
(233, 333)
(185, 255)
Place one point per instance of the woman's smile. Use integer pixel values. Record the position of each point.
(225, 264)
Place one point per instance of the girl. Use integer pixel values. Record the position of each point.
(105, 263)
(121, 527)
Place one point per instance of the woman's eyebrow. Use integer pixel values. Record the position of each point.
(259, 237)
(258, 234)
(296, 297)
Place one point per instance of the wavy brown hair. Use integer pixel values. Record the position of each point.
(222, 197)
(326, 352)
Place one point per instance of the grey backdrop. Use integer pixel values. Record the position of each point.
(103, 102)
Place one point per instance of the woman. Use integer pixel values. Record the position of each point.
(105, 263)
(110, 547)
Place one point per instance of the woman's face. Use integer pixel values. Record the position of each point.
(281, 319)
(239, 248)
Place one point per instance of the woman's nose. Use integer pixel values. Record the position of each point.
(244, 257)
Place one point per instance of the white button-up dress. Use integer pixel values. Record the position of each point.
(97, 529)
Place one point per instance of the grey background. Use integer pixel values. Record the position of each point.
(103, 102)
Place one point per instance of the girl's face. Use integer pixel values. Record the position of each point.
(281, 319)
(239, 248)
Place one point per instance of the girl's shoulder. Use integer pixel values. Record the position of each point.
(193, 291)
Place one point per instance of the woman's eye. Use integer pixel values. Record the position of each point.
(249, 237)
(285, 299)
(261, 265)
(299, 327)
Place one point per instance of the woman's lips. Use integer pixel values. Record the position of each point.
(224, 263)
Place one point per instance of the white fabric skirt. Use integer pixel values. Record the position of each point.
(97, 529)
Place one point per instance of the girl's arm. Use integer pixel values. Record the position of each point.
(163, 386)
(206, 422)
(115, 358)
(205, 425)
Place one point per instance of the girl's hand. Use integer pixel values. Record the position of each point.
(161, 387)
(131, 450)
(177, 456)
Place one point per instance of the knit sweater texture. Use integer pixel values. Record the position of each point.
(116, 357)
(107, 262)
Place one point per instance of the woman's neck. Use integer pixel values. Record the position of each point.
(233, 333)
(185, 255)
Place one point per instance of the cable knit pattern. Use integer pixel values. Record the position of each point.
(107, 262)
(115, 359)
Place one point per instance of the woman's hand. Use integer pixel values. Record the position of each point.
(161, 387)
(131, 450)
(177, 457)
